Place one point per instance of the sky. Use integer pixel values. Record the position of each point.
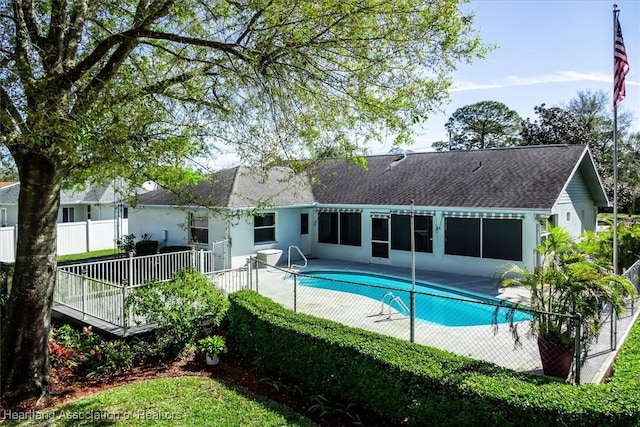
(546, 51)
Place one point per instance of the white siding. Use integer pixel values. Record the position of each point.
(575, 208)
(154, 221)
(98, 212)
(287, 234)
(12, 214)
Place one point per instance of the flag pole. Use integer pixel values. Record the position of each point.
(615, 145)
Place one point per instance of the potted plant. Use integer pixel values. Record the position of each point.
(566, 283)
(212, 347)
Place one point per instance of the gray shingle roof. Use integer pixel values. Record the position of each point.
(529, 177)
(212, 192)
(9, 195)
(515, 178)
(239, 187)
(93, 195)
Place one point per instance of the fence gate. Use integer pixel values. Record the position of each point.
(221, 255)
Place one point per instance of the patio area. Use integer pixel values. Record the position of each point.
(479, 342)
(101, 304)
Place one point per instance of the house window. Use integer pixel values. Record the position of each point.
(88, 212)
(125, 212)
(350, 229)
(264, 228)
(68, 215)
(304, 223)
(462, 236)
(3, 217)
(568, 216)
(328, 227)
(343, 227)
(502, 239)
(198, 228)
(401, 233)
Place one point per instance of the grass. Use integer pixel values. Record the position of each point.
(88, 255)
(183, 401)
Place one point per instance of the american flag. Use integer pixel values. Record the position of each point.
(620, 65)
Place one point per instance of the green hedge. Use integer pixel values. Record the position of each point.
(410, 384)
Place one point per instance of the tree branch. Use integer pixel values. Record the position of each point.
(10, 119)
(156, 9)
(22, 48)
(230, 48)
(112, 66)
(28, 16)
(252, 21)
(73, 35)
(56, 27)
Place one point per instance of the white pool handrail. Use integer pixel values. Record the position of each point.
(289, 265)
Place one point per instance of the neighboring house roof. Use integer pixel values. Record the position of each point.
(521, 178)
(94, 195)
(9, 195)
(238, 187)
(91, 195)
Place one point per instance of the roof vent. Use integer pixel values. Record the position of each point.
(393, 164)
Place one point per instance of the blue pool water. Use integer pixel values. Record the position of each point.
(443, 306)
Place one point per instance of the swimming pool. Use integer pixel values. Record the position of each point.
(444, 306)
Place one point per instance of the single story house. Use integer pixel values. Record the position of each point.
(98, 202)
(473, 210)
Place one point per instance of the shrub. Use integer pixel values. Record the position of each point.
(107, 357)
(183, 309)
(67, 335)
(410, 384)
(212, 345)
(62, 355)
(126, 243)
(91, 353)
(600, 245)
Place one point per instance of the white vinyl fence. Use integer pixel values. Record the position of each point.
(73, 237)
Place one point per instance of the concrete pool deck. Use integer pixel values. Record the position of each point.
(479, 342)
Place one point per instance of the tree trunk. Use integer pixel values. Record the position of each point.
(26, 322)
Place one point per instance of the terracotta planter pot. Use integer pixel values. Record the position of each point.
(556, 358)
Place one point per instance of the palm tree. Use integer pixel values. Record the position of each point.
(566, 294)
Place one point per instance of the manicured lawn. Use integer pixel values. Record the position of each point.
(184, 401)
(88, 255)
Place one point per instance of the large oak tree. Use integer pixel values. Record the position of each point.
(95, 89)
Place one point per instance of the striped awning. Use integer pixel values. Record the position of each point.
(415, 212)
(348, 210)
(380, 215)
(489, 215)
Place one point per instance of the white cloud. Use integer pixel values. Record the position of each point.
(558, 77)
